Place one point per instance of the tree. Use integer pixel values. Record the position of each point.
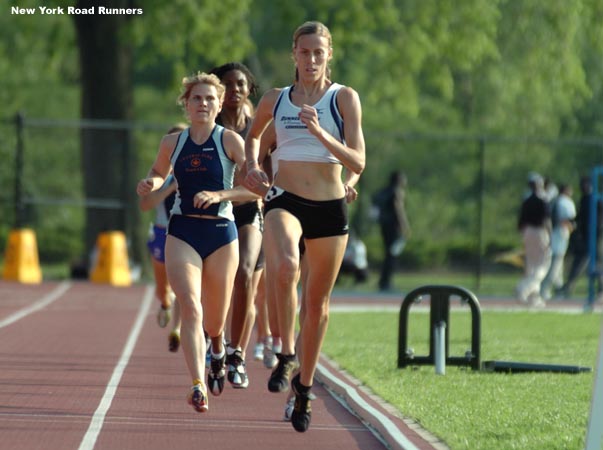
(106, 82)
(107, 45)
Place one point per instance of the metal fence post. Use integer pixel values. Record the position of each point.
(19, 205)
(480, 212)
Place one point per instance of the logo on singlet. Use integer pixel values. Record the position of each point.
(207, 149)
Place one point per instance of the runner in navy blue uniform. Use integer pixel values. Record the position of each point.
(318, 132)
(201, 249)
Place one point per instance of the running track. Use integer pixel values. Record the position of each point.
(85, 366)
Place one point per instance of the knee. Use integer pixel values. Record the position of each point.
(190, 309)
(317, 311)
(244, 273)
(288, 271)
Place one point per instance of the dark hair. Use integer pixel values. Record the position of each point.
(222, 70)
(397, 178)
(586, 185)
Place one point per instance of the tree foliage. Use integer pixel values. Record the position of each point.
(437, 68)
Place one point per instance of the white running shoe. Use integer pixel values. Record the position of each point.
(163, 316)
(289, 409)
(538, 303)
(270, 359)
(258, 352)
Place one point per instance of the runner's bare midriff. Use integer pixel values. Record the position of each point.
(310, 180)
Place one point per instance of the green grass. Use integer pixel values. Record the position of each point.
(490, 284)
(471, 409)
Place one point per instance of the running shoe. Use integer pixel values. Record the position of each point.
(237, 376)
(258, 351)
(302, 410)
(164, 315)
(289, 409)
(216, 375)
(269, 357)
(174, 341)
(279, 378)
(197, 398)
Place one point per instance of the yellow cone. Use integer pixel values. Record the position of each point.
(112, 260)
(21, 261)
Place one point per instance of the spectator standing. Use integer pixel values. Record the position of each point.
(563, 214)
(551, 191)
(393, 221)
(534, 226)
(579, 240)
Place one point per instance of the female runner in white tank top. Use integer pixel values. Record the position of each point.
(319, 132)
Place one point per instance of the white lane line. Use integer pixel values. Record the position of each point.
(179, 424)
(42, 303)
(351, 395)
(98, 419)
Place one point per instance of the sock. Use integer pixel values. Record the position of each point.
(197, 381)
(299, 387)
(218, 356)
(287, 357)
(230, 350)
(277, 345)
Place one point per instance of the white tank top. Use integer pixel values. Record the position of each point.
(294, 141)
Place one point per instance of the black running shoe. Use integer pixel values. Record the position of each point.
(174, 341)
(279, 378)
(216, 375)
(237, 376)
(302, 410)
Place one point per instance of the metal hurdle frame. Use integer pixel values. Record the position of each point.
(439, 312)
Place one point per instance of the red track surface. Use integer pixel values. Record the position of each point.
(70, 380)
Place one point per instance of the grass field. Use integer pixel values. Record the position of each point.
(473, 409)
(488, 284)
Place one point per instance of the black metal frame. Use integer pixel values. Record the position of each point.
(439, 311)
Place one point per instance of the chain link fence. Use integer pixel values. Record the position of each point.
(463, 192)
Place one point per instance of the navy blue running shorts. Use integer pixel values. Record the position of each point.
(204, 235)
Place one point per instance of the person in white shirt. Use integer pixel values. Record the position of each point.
(563, 215)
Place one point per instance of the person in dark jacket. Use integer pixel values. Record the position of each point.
(534, 225)
(393, 221)
(579, 240)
